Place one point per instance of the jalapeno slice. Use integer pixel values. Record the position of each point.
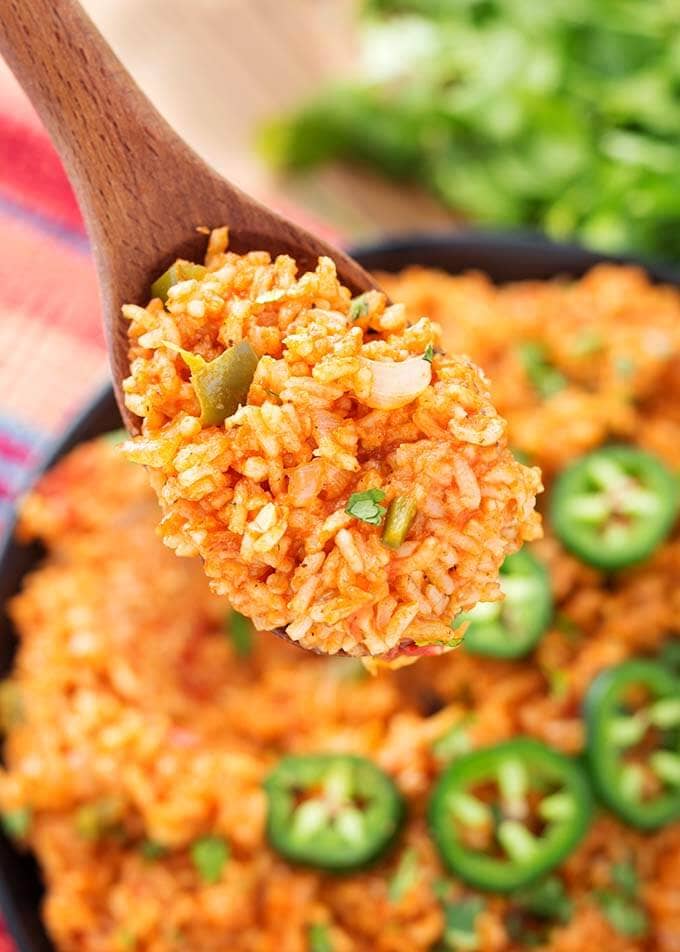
(632, 715)
(613, 507)
(511, 628)
(332, 811)
(503, 816)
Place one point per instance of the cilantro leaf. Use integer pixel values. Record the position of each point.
(405, 877)
(358, 307)
(366, 506)
(17, 823)
(627, 917)
(240, 630)
(318, 939)
(209, 855)
(429, 354)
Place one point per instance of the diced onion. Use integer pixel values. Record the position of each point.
(397, 383)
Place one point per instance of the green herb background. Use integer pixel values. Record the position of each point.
(562, 115)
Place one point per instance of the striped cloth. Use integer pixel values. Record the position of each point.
(51, 345)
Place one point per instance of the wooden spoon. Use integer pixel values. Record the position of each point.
(142, 190)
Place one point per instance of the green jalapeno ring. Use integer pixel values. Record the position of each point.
(511, 628)
(609, 732)
(614, 506)
(350, 818)
(518, 766)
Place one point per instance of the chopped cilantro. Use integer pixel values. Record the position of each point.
(359, 307)
(587, 343)
(624, 367)
(544, 378)
(240, 630)
(366, 506)
(405, 876)
(318, 938)
(209, 855)
(152, 850)
(127, 940)
(626, 917)
(546, 899)
(567, 626)
(429, 354)
(460, 919)
(17, 823)
(625, 876)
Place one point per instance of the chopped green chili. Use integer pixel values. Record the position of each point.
(240, 630)
(221, 385)
(366, 506)
(209, 854)
(17, 823)
(405, 876)
(400, 515)
(544, 378)
(429, 354)
(177, 272)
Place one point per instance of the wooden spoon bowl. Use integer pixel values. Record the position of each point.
(142, 191)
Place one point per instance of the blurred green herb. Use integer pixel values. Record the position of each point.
(544, 378)
(514, 113)
(405, 876)
(318, 938)
(240, 630)
(209, 855)
(366, 506)
(17, 823)
(454, 742)
(152, 850)
(626, 916)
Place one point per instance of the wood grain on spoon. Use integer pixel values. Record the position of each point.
(142, 190)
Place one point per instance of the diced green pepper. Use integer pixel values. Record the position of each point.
(177, 272)
(400, 515)
(221, 385)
